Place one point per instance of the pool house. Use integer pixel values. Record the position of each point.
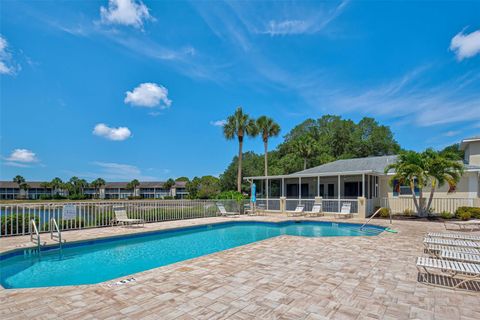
(356, 181)
(364, 183)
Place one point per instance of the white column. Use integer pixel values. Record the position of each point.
(283, 187)
(318, 186)
(300, 188)
(363, 185)
(266, 191)
(338, 188)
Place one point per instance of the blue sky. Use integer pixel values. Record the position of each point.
(130, 89)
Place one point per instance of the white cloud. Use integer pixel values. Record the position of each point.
(466, 45)
(286, 27)
(218, 123)
(149, 95)
(125, 12)
(22, 156)
(5, 57)
(451, 133)
(116, 134)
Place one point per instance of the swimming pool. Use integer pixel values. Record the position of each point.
(95, 261)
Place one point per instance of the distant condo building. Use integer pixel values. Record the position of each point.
(111, 190)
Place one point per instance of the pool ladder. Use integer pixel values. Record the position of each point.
(373, 215)
(55, 233)
(35, 235)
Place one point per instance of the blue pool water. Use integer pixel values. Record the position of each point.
(105, 259)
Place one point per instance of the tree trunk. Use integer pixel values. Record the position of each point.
(304, 163)
(239, 170)
(419, 210)
(434, 185)
(265, 146)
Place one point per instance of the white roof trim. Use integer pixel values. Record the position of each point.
(311, 175)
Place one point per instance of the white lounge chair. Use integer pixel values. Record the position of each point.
(316, 210)
(469, 225)
(436, 249)
(452, 243)
(465, 272)
(299, 211)
(345, 212)
(224, 212)
(459, 256)
(460, 236)
(122, 218)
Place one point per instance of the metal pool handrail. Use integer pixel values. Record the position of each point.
(34, 234)
(55, 233)
(373, 215)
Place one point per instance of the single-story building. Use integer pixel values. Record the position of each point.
(364, 183)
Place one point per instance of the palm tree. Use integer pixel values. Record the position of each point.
(267, 128)
(45, 186)
(442, 168)
(167, 185)
(56, 184)
(305, 147)
(98, 184)
(239, 125)
(25, 186)
(133, 185)
(19, 180)
(418, 169)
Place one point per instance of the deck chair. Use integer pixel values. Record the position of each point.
(469, 225)
(452, 243)
(462, 271)
(224, 212)
(459, 236)
(122, 218)
(299, 211)
(316, 210)
(345, 212)
(436, 249)
(459, 256)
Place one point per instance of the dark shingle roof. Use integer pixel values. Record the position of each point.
(376, 164)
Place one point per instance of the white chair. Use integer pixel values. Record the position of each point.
(459, 236)
(122, 218)
(316, 210)
(452, 243)
(345, 212)
(299, 211)
(462, 271)
(224, 212)
(464, 225)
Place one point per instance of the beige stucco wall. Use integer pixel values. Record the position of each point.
(472, 153)
(468, 187)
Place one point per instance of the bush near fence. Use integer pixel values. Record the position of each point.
(466, 213)
(15, 224)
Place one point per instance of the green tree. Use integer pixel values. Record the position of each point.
(134, 184)
(267, 128)
(25, 186)
(252, 166)
(182, 179)
(56, 184)
(18, 180)
(420, 169)
(206, 187)
(305, 147)
(453, 150)
(239, 125)
(97, 184)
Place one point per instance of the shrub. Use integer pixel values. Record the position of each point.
(408, 212)
(135, 198)
(16, 223)
(384, 212)
(463, 213)
(233, 195)
(473, 211)
(446, 215)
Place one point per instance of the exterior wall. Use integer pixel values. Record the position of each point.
(472, 153)
(468, 187)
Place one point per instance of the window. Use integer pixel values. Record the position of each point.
(330, 190)
(404, 189)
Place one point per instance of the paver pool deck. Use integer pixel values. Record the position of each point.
(285, 277)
